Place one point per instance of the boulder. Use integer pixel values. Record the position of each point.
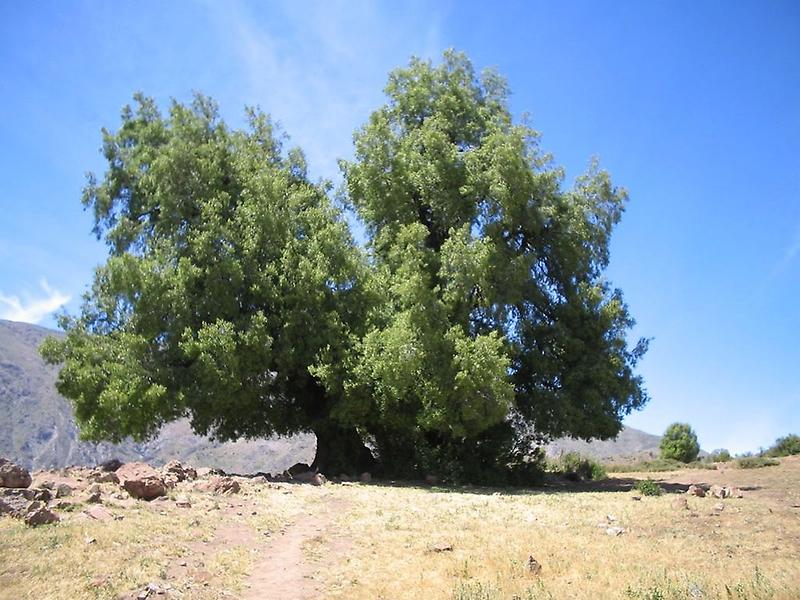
(220, 485)
(696, 490)
(98, 476)
(37, 513)
(63, 490)
(717, 491)
(141, 481)
(98, 512)
(13, 476)
(110, 465)
(175, 472)
(94, 498)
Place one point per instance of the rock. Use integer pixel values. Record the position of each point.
(63, 490)
(141, 481)
(734, 492)
(103, 477)
(696, 490)
(204, 472)
(259, 480)
(47, 485)
(534, 567)
(431, 479)
(182, 502)
(680, 503)
(717, 491)
(615, 531)
(15, 501)
(440, 547)
(98, 512)
(38, 514)
(365, 477)
(636, 498)
(13, 476)
(95, 487)
(221, 485)
(94, 498)
(719, 507)
(174, 472)
(110, 466)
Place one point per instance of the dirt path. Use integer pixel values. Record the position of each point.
(284, 570)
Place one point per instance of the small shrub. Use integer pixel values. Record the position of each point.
(579, 468)
(756, 462)
(721, 455)
(680, 443)
(648, 487)
(785, 446)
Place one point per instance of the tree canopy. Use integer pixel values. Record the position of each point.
(476, 317)
(680, 443)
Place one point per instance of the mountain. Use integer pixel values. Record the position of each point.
(38, 430)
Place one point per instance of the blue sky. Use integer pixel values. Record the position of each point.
(693, 106)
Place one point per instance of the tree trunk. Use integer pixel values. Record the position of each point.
(341, 451)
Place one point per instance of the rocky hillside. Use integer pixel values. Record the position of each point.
(38, 430)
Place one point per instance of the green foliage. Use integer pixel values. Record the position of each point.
(785, 446)
(680, 443)
(579, 468)
(756, 462)
(648, 487)
(234, 294)
(721, 455)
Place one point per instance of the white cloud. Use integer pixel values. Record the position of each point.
(32, 309)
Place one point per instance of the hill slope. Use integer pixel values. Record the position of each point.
(38, 429)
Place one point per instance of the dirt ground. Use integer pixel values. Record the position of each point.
(384, 540)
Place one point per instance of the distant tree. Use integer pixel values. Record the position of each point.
(721, 455)
(785, 446)
(680, 443)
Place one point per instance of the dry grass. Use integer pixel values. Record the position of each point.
(379, 544)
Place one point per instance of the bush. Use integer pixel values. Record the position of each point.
(721, 455)
(756, 462)
(648, 487)
(658, 465)
(785, 446)
(579, 468)
(680, 443)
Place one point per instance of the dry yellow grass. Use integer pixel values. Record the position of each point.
(379, 542)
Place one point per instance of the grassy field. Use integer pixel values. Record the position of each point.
(402, 541)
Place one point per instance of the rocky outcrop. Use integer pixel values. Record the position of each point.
(13, 476)
(141, 481)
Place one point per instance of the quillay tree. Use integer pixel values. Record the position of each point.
(475, 319)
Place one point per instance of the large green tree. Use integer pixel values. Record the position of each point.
(230, 278)
(477, 319)
(495, 319)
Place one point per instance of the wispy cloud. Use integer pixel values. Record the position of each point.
(32, 309)
(319, 68)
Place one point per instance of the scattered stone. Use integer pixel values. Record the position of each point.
(534, 567)
(63, 490)
(440, 547)
(95, 487)
(696, 490)
(174, 472)
(680, 503)
(110, 466)
(13, 476)
(366, 477)
(719, 507)
(204, 472)
(220, 485)
(103, 477)
(615, 531)
(47, 485)
(717, 491)
(734, 492)
(141, 481)
(98, 512)
(37, 513)
(94, 498)
(89, 540)
(182, 502)
(259, 480)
